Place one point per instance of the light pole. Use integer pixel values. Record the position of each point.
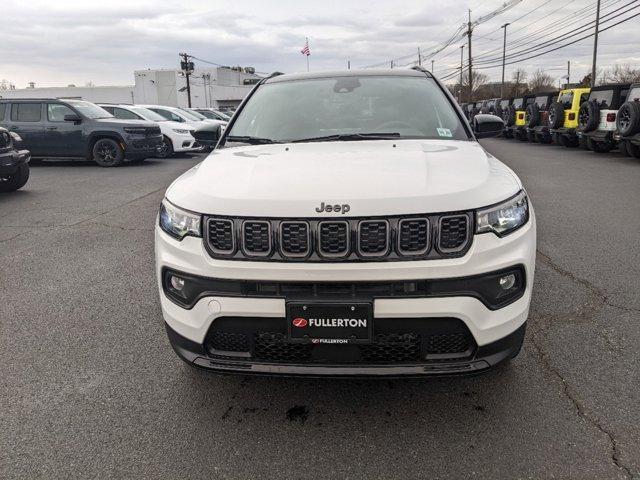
(461, 67)
(595, 47)
(504, 54)
(432, 67)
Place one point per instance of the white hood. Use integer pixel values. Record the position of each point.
(374, 177)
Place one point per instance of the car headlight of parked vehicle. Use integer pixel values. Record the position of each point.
(182, 131)
(504, 218)
(177, 222)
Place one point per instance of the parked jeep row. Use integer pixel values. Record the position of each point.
(599, 119)
(107, 134)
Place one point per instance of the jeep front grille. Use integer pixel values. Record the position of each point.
(334, 239)
(454, 233)
(351, 239)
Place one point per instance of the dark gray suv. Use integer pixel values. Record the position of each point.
(75, 129)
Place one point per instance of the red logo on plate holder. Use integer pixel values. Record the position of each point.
(299, 322)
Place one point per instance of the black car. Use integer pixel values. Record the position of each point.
(14, 163)
(75, 129)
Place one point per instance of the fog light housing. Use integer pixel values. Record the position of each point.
(177, 283)
(507, 282)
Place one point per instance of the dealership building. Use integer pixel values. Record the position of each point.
(217, 87)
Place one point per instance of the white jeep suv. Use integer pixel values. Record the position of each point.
(347, 223)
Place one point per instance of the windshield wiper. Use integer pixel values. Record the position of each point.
(345, 137)
(249, 139)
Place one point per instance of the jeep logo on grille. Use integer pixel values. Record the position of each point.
(344, 208)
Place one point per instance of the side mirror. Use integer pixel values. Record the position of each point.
(72, 118)
(16, 139)
(485, 125)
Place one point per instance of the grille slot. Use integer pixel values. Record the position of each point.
(447, 343)
(229, 342)
(373, 238)
(413, 236)
(454, 233)
(334, 239)
(256, 238)
(273, 346)
(221, 236)
(295, 240)
(392, 348)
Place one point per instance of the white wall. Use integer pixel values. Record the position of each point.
(91, 94)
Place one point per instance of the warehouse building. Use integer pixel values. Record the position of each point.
(210, 87)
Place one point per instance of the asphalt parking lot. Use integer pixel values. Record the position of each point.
(91, 388)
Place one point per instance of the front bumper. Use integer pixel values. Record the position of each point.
(493, 332)
(11, 161)
(141, 146)
(185, 143)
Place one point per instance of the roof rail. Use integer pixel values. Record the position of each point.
(271, 75)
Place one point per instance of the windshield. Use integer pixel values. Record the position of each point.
(222, 116)
(193, 113)
(566, 99)
(90, 110)
(541, 101)
(504, 103)
(410, 107)
(603, 98)
(148, 114)
(188, 115)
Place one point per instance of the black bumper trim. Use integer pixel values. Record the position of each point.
(486, 357)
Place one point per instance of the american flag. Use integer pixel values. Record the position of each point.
(306, 51)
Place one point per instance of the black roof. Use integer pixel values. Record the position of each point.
(612, 86)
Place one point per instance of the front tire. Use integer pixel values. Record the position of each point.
(16, 181)
(165, 150)
(108, 153)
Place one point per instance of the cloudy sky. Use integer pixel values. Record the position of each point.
(54, 43)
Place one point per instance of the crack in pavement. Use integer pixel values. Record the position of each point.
(543, 322)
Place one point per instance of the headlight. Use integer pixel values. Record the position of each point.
(177, 222)
(504, 218)
(181, 131)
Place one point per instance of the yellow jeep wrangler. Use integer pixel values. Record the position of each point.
(516, 126)
(563, 116)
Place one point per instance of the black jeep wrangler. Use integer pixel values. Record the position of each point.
(628, 123)
(14, 163)
(75, 129)
(537, 117)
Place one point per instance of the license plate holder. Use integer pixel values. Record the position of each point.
(329, 323)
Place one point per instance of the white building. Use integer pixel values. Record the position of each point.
(210, 87)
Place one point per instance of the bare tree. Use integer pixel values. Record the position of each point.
(621, 74)
(479, 80)
(519, 78)
(541, 81)
(6, 85)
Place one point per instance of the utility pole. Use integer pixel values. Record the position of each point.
(504, 54)
(348, 64)
(469, 30)
(187, 67)
(461, 68)
(595, 47)
(391, 63)
(568, 72)
(517, 82)
(419, 57)
(432, 67)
